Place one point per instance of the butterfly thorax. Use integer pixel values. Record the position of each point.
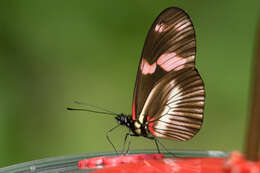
(134, 125)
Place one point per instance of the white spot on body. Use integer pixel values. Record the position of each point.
(137, 125)
(138, 131)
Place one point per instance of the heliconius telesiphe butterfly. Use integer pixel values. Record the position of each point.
(169, 93)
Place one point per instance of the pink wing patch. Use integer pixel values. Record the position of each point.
(170, 61)
(146, 68)
(167, 61)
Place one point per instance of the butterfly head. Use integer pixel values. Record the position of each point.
(124, 120)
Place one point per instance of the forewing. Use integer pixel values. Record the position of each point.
(169, 93)
(169, 48)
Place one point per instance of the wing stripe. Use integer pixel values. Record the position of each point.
(182, 124)
(189, 96)
(175, 127)
(191, 100)
(186, 114)
(177, 135)
(176, 132)
(185, 90)
(189, 110)
(181, 131)
(173, 134)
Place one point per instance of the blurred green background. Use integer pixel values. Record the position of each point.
(55, 52)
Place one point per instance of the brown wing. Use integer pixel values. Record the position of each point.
(168, 55)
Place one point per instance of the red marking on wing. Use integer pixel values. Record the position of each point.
(133, 109)
(150, 125)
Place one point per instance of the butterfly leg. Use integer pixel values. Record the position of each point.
(158, 142)
(128, 135)
(107, 135)
(157, 146)
(155, 141)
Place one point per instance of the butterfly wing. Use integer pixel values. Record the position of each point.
(169, 92)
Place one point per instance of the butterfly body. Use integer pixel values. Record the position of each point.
(137, 128)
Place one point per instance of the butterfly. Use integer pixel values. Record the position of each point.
(169, 94)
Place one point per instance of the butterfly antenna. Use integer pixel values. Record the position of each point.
(94, 106)
(88, 110)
